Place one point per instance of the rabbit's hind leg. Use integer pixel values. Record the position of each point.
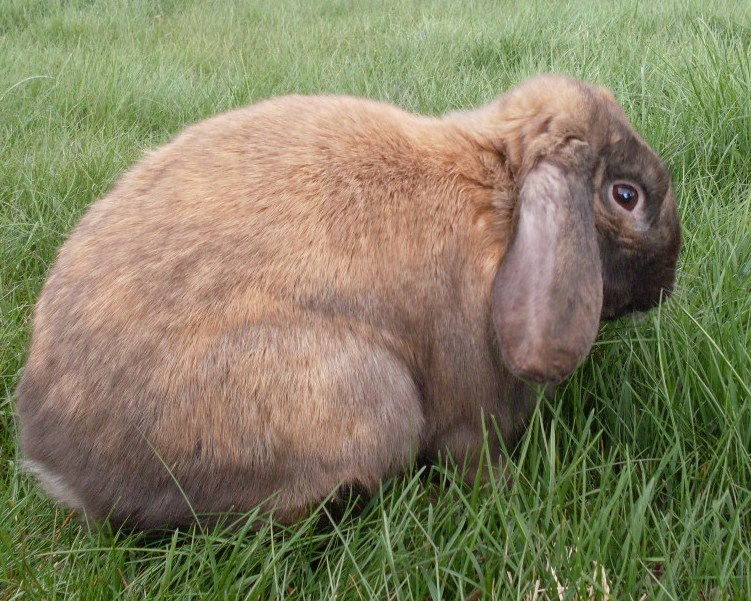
(298, 409)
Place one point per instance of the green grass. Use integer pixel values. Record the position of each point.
(636, 478)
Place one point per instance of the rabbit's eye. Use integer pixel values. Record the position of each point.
(625, 195)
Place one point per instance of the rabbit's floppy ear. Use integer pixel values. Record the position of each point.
(547, 293)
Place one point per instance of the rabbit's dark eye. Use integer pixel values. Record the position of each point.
(625, 195)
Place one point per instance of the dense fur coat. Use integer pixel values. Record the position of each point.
(312, 291)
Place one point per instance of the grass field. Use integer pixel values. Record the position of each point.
(633, 482)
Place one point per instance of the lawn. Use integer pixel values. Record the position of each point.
(634, 481)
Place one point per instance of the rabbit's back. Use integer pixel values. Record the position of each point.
(240, 200)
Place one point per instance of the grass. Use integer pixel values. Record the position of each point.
(633, 482)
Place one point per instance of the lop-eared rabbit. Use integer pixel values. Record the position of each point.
(311, 292)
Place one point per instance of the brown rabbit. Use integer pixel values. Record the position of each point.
(312, 291)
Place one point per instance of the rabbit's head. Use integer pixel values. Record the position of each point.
(595, 227)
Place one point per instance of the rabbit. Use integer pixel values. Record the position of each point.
(313, 292)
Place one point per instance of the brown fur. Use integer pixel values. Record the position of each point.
(300, 294)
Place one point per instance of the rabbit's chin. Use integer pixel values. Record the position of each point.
(634, 315)
(616, 314)
(637, 311)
